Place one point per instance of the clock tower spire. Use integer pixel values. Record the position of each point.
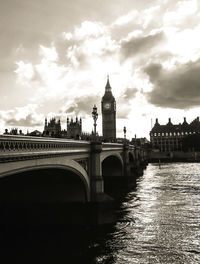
(108, 87)
(108, 109)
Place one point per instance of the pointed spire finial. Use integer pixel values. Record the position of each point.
(108, 87)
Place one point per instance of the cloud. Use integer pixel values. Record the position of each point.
(81, 105)
(142, 19)
(89, 29)
(49, 54)
(180, 13)
(65, 62)
(184, 44)
(130, 93)
(124, 102)
(25, 72)
(88, 43)
(28, 121)
(22, 117)
(174, 88)
(141, 44)
(125, 19)
(79, 53)
(123, 111)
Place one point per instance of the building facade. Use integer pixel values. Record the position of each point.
(52, 128)
(108, 110)
(169, 137)
(74, 128)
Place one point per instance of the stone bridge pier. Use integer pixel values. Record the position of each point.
(111, 170)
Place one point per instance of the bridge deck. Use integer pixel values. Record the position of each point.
(15, 147)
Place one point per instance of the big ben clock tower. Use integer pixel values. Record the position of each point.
(108, 109)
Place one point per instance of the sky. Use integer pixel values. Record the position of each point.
(56, 55)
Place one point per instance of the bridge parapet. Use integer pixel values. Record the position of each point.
(111, 146)
(12, 143)
(23, 146)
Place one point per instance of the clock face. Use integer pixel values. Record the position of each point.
(107, 106)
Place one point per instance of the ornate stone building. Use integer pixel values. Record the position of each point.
(108, 109)
(169, 137)
(74, 128)
(52, 128)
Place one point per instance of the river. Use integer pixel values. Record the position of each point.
(158, 222)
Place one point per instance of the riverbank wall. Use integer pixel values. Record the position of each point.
(174, 156)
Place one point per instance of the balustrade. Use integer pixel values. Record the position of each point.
(10, 144)
(23, 147)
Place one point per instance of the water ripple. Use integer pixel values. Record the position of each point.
(161, 218)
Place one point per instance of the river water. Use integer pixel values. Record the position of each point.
(158, 222)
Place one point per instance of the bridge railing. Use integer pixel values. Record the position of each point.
(13, 144)
(15, 147)
(110, 146)
(116, 146)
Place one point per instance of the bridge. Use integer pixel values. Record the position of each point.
(38, 170)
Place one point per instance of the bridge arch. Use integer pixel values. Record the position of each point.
(112, 173)
(57, 179)
(112, 165)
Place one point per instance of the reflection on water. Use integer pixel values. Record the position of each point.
(166, 212)
(158, 222)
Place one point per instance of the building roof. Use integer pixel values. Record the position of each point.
(194, 126)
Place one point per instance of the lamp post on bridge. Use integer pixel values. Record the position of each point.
(124, 133)
(95, 117)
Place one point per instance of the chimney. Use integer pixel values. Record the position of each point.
(198, 118)
(169, 120)
(184, 119)
(156, 120)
